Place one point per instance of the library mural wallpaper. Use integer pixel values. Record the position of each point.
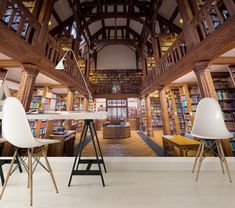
(125, 131)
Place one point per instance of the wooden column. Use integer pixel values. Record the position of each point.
(205, 82)
(44, 18)
(190, 34)
(148, 116)
(86, 104)
(155, 50)
(69, 106)
(3, 73)
(27, 82)
(164, 111)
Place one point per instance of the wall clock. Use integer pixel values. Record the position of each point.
(116, 88)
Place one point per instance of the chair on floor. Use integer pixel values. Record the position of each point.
(6, 161)
(16, 130)
(210, 127)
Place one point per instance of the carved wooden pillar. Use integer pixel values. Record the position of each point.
(27, 82)
(205, 82)
(164, 111)
(190, 34)
(144, 66)
(3, 73)
(86, 104)
(155, 50)
(148, 116)
(69, 106)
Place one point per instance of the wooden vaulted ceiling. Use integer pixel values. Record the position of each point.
(128, 22)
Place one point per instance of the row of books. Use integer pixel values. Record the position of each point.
(227, 106)
(195, 99)
(194, 91)
(229, 116)
(225, 95)
(230, 126)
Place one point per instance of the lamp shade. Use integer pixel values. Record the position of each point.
(209, 121)
(60, 65)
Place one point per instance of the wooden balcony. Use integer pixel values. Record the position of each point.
(24, 39)
(213, 34)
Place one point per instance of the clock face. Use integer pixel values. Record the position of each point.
(116, 88)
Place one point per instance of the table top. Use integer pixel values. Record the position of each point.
(63, 135)
(66, 115)
(180, 140)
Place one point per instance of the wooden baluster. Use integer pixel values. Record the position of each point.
(218, 14)
(21, 24)
(12, 16)
(3, 8)
(230, 5)
(208, 20)
(202, 28)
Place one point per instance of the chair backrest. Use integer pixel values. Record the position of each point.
(209, 121)
(15, 125)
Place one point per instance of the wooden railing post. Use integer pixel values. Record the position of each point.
(189, 30)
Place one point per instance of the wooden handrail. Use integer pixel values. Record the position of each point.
(205, 23)
(19, 20)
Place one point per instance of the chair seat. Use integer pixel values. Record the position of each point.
(47, 141)
(2, 140)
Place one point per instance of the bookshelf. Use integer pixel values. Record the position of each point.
(60, 103)
(189, 97)
(156, 112)
(225, 93)
(172, 112)
(181, 110)
(42, 100)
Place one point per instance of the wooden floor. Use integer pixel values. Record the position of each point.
(131, 147)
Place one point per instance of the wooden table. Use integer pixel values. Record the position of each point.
(181, 142)
(65, 147)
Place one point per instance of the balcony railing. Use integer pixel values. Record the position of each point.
(19, 20)
(210, 17)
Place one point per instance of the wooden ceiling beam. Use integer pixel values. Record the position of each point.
(56, 16)
(61, 26)
(9, 64)
(115, 15)
(224, 60)
(172, 27)
(174, 14)
(118, 3)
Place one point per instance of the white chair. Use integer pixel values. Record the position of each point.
(209, 125)
(16, 130)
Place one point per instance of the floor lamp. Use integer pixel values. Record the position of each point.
(60, 66)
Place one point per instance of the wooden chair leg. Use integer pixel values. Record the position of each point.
(200, 159)
(8, 174)
(49, 169)
(225, 161)
(28, 171)
(220, 156)
(30, 176)
(197, 155)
